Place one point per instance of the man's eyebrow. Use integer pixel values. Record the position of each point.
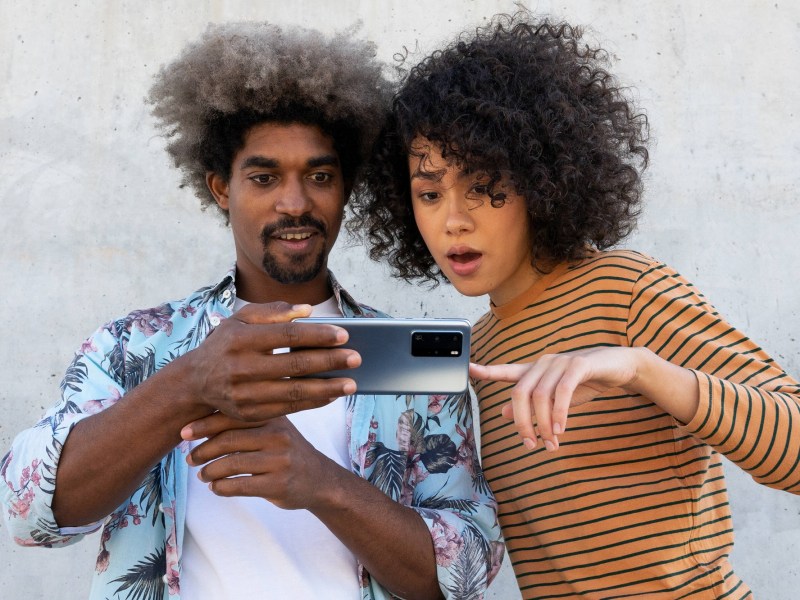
(272, 163)
(259, 161)
(327, 160)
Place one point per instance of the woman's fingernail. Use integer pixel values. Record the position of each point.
(558, 429)
(529, 443)
(549, 445)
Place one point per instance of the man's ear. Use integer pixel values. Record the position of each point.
(219, 188)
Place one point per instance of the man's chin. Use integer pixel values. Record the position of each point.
(290, 274)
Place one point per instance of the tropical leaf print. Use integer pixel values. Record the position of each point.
(439, 453)
(199, 332)
(470, 567)
(139, 367)
(461, 406)
(206, 294)
(75, 376)
(169, 463)
(116, 362)
(144, 580)
(50, 467)
(54, 421)
(387, 473)
(479, 483)
(151, 492)
(195, 335)
(167, 359)
(460, 505)
(46, 537)
(410, 432)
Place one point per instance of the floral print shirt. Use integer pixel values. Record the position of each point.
(419, 450)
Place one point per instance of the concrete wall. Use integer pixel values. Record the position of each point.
(94, 223)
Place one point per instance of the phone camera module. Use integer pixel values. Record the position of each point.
(436, 343)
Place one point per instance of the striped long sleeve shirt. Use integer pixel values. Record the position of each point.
(634, 502)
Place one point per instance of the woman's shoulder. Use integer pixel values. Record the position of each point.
(622, 258)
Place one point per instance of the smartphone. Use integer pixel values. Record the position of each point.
(405, 356)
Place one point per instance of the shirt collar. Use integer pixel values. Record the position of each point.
(345, 302)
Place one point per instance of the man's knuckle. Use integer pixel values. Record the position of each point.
(299, 363)
(233, 396)
(333, 360)
(296, 391)
(278, 307)
(291, 334)
(238, 462)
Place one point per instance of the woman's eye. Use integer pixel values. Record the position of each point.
(429, 196)
(480, 189)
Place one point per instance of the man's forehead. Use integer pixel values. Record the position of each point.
(273, 143)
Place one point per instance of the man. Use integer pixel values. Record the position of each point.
(172, 438)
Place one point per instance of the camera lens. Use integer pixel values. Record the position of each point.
(436, 343)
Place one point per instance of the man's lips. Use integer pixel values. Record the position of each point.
(294, 234)
(296, 239)
(464, 261)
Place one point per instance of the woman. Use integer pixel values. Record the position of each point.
(605, 380)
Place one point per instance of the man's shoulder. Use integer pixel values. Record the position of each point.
(166, 317)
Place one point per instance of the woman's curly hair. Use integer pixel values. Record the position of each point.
(521, 97)
(238, 75)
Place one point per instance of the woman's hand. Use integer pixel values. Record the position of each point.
(547, 387)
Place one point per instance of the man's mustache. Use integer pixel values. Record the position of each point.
(289, 223)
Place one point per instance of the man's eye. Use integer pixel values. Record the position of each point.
(321, 177)
(262, 178)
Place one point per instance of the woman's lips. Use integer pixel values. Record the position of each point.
(464, 263)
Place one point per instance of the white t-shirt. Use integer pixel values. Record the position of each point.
(238, 548)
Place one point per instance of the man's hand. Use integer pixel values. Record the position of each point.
(270, 459)
(234, 371)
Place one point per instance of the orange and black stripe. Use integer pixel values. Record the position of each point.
(633, 503)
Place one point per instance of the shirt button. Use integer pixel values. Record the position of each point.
(164, 578)
(214, 321)
(226, 294)
(161, 507)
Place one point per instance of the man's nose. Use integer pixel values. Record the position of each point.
(294, 199)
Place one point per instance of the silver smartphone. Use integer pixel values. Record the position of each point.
(405, 356)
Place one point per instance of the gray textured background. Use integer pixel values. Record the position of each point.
(94, 224)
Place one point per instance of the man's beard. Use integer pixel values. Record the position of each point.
(297, 270)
